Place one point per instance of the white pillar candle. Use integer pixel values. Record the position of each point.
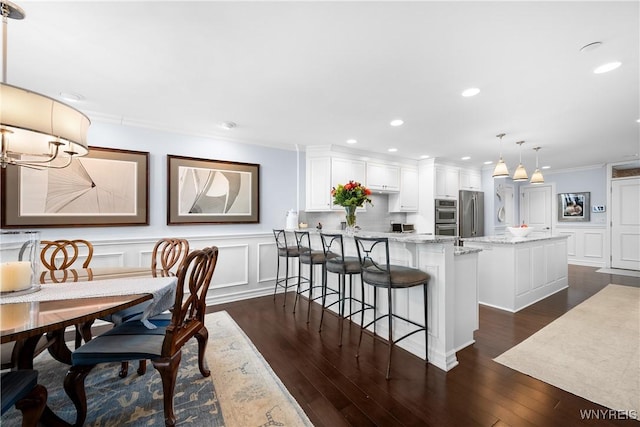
(15, 276)
(14, 316)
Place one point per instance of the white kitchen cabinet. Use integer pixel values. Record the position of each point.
(407, 199)
(470, 180)
(345, 170)
(318, 185)
(383, 177)
(447, 184)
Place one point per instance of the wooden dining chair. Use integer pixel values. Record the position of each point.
(134, 341)
(167, 257)
(65, 255)
(21, 388)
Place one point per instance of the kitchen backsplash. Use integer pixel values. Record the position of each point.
(376, 217)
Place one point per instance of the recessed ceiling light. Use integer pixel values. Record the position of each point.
(638, 121)
(351, 141)
(397, 122)
(472, 91)
(546, 167)
(392, 150)
(465, 158)
(424, 156)
(72, 97)
(228, 125)
(591, 46)
(488, 162)
(605, 68)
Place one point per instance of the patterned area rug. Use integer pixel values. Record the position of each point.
(242, 390)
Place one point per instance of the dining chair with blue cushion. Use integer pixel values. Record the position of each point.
(132, 340)
(21, 388)
(168, 255)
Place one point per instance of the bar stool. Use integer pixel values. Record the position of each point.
(311, 258)
(343, 266)
(286, 252)
(390, 277)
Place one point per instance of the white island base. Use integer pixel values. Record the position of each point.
(517, 272)
(452, 294)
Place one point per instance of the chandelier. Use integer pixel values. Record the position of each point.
(35, 128)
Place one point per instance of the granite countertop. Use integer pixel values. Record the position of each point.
(508, 239)
(397, 237)
(461, 250)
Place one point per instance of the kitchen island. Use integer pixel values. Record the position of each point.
(452, 293)
(515, 272)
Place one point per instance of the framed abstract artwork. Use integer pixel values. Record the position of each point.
(202, 191)
(108, 187)
(573, 206)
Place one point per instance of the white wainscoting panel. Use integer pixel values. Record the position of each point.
(586, 245)
(232, 268)
(267, 262)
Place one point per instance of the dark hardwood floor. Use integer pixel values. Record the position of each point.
(336, 389)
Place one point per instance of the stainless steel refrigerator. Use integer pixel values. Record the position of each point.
(471, 214)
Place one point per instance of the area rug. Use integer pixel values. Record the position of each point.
(242, 390)
(592, 351)
(619, 271)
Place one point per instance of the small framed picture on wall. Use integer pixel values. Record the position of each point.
(573, 207)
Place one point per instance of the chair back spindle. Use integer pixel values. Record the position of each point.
(168, 253)
(62, 254)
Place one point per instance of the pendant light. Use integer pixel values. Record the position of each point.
(501, 170)
(521, 173)
(35, 125)
(537, 177)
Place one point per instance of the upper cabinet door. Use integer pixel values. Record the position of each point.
(345, 170)
(318, 188)
(447, 184)
(382, 177)
(470, 180)
(407, 199)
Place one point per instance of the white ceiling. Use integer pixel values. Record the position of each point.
(319, 73)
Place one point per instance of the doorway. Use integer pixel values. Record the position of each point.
(536, 207)
(625, 223)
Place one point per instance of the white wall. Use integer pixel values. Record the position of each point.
(247, 251)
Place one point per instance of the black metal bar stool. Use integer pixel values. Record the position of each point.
(309, 257)
(337, 262)
(377, 271)
(286, 252)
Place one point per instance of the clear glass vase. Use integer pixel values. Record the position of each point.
(351, 219)
(20, 260)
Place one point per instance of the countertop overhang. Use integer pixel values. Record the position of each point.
(512, 240)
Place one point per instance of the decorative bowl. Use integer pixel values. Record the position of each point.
(520, 231)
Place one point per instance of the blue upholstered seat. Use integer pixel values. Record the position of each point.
(16, 385)
(132, 340)
(21, 388)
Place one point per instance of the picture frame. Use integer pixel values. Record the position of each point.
(574, 207)
(106, 188)
(204, 191)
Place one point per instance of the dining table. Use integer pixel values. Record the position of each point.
(37, 317)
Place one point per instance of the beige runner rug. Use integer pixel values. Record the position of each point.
(592, 351)
(249, 392)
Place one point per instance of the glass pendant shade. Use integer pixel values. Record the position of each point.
(520, 174)
(537, 177)
(501, 170)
